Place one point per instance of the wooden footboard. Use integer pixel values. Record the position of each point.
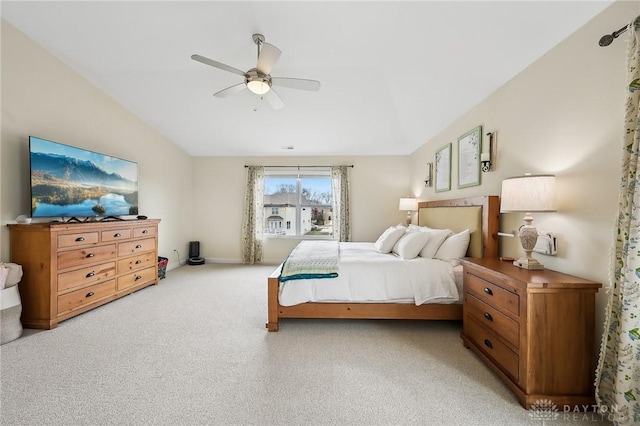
(272, 300)
(353, 310)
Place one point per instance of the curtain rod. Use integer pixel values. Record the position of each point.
(607, 39)
(297, 167)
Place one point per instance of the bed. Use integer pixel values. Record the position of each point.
(478, 214)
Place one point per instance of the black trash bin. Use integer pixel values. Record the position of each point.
(162, 266)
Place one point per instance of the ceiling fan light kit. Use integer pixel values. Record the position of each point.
(258, 80)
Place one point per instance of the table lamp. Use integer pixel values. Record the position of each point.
(528, 193)
(409, 204)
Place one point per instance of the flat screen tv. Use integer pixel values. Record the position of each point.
(73, 182)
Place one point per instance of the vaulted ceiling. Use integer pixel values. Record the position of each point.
(393, 73)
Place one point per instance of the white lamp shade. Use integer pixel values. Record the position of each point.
(408, 204)
(529, 193)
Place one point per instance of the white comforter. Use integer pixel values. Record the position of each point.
(366, 275)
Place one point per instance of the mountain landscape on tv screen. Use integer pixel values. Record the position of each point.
(66, 186)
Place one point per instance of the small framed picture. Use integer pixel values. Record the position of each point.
(443, 169)
(469, 158)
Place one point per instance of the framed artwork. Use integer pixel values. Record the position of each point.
(469, 158)
(443, 168)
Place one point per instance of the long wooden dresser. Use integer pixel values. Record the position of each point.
(70, 268)
(534, 329)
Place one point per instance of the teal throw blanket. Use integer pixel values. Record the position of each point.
(311, 259)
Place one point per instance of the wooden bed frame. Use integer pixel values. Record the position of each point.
(436, 214)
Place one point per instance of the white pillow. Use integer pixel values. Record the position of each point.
(389, 237)
(436, 238)
(455, 246)
(410, 244)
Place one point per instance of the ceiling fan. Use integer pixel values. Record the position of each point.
(258, 80)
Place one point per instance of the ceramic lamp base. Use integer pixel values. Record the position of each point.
(528, 263)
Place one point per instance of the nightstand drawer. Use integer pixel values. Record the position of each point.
(504, 357)
(492, 319)
(492, 294)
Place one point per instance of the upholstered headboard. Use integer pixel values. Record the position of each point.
(480, 215)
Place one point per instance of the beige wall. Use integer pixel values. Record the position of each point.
(377, 183)
(562, 115)
(42, 96)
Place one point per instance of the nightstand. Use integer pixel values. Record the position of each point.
(534, 329)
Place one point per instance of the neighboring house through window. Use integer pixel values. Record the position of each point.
(302, 199)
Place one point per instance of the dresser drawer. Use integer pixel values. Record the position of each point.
(146, 231)
(504, 357)
(116, 234)
(79, 239)
(492, 294)
(86, 256)
(137, 278)
(492, 319)
(134, 247)
(136, 262)
(86, 276)
(85, 296)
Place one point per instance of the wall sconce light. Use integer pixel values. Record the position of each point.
(485, 157)
(427, 179)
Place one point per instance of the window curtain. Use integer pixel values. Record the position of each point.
(618, 374)
(252, 221)
(341, 202)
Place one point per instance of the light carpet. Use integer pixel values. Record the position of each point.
(193, 350)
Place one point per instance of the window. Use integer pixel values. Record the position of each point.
(300, 199)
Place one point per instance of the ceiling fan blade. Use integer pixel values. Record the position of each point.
(230, 90)
(274, 100)
(296, 83)
(269, 55)
(217, 64)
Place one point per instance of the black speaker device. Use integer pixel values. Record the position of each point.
(194, 254)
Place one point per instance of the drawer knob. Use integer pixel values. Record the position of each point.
(488, 343)
(90, 274)
(90, 294)
(138, 246)
(488, 291)
(488, 316)
(80, 239)
(144, 231)
(116, 235)
(138, 277)
(89, 255)
(138, 262)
